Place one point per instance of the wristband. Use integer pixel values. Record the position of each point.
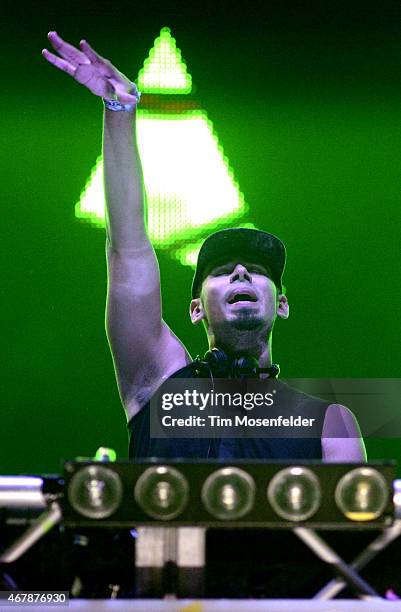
(116, 105)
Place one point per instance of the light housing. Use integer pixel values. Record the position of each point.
(294, 493)
(362, 494)
(162, 492)
(180, 493)
(95, 491)
(228, 493)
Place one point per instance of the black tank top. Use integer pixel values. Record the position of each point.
(142, 446)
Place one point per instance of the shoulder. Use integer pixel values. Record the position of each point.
(340, 422)
(341, 436)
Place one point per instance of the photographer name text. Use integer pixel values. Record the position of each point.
(237, 421)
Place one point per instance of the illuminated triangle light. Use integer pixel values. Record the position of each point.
(193, 186)
(190, 186)
(164, 71)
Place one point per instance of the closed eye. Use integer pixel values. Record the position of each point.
(221, 270)
(228, 269)
(257, 269)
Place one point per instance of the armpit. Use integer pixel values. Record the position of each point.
(134, 395)
(150, 382)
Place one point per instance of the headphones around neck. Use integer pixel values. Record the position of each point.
(217, 363)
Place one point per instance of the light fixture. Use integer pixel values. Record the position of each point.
(256, 493)
(228, 493)
(362, 494)
(162, 492)
(294, 493)
(95, 491)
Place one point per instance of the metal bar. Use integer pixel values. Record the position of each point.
(328, 555)
(336, 585)
(46, 521)
(22, 492)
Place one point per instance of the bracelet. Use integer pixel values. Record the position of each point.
(116, 105)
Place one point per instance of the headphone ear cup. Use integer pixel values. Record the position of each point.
(245, 365)
(218, 362)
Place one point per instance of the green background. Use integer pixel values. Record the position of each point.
(306, 101)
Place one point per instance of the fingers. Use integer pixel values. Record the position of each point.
(89, 52)
(66, 50)
(102, 64)
(58, 62)
(90, 69)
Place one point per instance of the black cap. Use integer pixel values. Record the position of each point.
(237, 242)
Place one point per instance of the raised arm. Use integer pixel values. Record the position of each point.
(144, 349)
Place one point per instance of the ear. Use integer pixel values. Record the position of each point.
(283, 308)
(196, 311)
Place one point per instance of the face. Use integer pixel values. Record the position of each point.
(238, 294)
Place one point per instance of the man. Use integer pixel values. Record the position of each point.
(237, 290)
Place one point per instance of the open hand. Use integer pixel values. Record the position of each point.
(89, 68)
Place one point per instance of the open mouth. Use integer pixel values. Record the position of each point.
(242, 297)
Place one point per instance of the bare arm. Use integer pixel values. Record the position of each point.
(144, 349)
(123, 183)
(342, 441)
